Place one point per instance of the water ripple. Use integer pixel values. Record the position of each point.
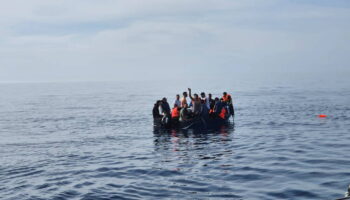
(84, 143)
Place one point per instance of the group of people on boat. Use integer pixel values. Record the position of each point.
(203, 106)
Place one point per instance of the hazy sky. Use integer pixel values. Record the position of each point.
(83, 40)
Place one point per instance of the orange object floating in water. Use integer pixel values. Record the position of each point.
(322, 116)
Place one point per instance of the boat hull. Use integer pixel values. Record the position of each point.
(195, 123)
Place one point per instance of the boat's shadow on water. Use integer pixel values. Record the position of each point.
(226, 128)
(188, 149)
(167, 135)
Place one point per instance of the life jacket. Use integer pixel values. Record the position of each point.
(175, 113)
(226, 98)
(223, 113)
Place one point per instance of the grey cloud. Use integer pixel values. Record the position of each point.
(117, 40)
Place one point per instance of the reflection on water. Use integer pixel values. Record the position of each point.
(224, 129)
(191, 145)
(161, 134)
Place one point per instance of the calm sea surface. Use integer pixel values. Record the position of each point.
(97, 141)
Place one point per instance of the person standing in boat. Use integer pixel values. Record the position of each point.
(211, 106)
(165, 110)
(228, 99)
(205, 99)
(218, 106)
(177, 101)
(211, 102)
(196, 103)
(175, 112)
(184, 100)
(205, 110)
(165, 107)
(220, 109)
(210, 98)
(155, 110)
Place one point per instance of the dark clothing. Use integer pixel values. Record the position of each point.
(205, 111)
(184, 114)
(166, 107)
(218, 107)
(155, 111)
(232, 111)
(211, 103)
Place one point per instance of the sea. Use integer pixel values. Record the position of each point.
(96, 140)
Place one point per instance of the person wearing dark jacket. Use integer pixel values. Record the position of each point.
(205, 110)
(165, 107)
(211, 101)
(155, 110)
(219, 104)
(228, 100)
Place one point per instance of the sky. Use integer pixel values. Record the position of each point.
(113, 40)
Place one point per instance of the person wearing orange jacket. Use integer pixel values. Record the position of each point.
(223, 113)
(228, 99)
(175, 112)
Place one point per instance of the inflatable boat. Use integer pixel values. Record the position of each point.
(195, 122)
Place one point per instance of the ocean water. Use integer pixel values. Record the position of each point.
(97, 141)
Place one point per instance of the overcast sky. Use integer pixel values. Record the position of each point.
(97, 40)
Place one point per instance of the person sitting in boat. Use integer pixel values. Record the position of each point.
(155, 110)
(175, 112)
(224, 113)
(177, 101)
(219, 104)
(228, 99)
(221, 109)
(184, 114)
(196, 103)
(205, 99)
